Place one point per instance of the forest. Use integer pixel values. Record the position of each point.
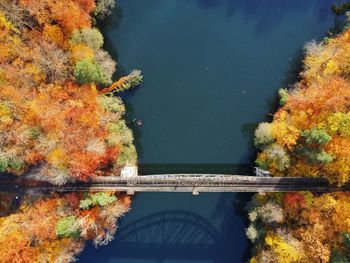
(308, 136)
(61, 121)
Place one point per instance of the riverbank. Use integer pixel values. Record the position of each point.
(307, 137)
(61, 123)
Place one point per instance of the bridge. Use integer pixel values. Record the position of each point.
(193, 183)
(196, 183)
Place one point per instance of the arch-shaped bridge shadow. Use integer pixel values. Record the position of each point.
(171, 229)
(169, 235)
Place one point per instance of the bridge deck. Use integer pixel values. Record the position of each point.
(194, 183)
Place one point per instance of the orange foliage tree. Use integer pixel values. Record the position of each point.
(50, 122)
(316, 107)
(310, 136)
(54, 128)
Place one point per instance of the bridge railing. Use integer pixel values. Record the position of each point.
(204, 179)
(194, 183)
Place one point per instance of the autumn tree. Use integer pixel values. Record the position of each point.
(308, 136)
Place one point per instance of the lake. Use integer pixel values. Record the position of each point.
(212, 70)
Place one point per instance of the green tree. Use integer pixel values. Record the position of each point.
(316, 136)
(4, 162)
(119, 133)
(106, 63)
(315, 156)
(68, 227)
(87, 71)
(128, 155)
(283, 94)
(15, 163)
(98, 199)
(312, 146)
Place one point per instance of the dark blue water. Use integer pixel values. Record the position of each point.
(212, 70)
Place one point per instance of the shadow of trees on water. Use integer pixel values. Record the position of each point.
(267, 14)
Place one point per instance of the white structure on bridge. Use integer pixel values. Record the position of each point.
(129, 171)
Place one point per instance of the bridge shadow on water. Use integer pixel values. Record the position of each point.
(168, 236)
(182, 168)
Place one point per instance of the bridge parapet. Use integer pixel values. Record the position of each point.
(195, 183)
